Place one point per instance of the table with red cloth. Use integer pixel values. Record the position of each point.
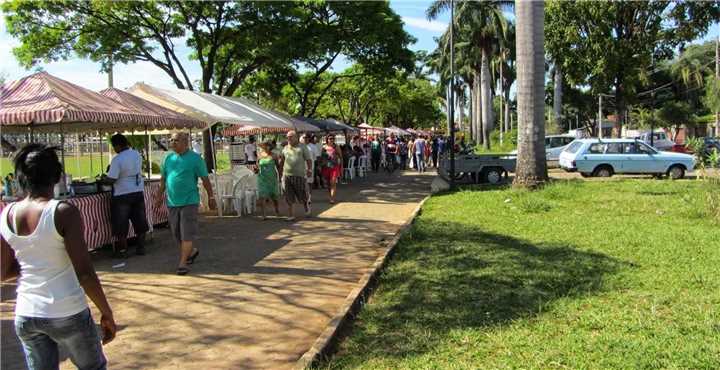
(95, 213)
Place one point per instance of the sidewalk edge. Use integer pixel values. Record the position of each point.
(354, 301)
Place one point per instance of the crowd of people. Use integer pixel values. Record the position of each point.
(42, 243)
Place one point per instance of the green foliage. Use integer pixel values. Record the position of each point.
(611, 276)
(673, 114)
(593, 43)
(229, 40)
(644, 118)
(509, 142)
(712, 94)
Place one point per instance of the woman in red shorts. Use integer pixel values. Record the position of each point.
(331, 165)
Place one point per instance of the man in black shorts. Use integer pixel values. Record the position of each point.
(128, 200)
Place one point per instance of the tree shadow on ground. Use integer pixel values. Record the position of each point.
(451, 276)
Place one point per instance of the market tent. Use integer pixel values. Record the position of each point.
(212, 109)
(347, 128)
(41, 102)
(371, 129)
(397, 131)
(327, 125)
(169, 119)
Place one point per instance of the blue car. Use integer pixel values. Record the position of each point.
(605, 157)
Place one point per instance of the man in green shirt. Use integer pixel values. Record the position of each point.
(297, 167)
(180, 173)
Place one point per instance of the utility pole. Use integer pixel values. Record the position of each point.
(652, 103)
(717, 78)
(600, 117)
(452, 96)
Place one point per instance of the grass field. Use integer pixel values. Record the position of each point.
(88, 166)
(580, 275)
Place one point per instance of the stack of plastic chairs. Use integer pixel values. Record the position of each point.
(363, 167)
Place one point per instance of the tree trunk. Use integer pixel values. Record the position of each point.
(461, 107)
(557, 97)
(478, 104)
(485, 88)
(619, 110)
(471, 100)
(507, 111)
(208, 137)
(502, 101)
(531, 163)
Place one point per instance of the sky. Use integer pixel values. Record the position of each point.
(87, 74)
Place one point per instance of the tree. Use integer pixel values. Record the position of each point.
(484, 26)
(531, 163)
(675, 114)
(368, 33)
(609, 45)
(712, 95)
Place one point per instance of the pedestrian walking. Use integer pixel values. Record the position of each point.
(296, 164)
(267, 179)
(375, 154)
(403, 149)
(251, 151)
(435, 147)
(42, 244)
(418, 149)
(128, 201)
(308, 141)
(332, 159)
(180, 173)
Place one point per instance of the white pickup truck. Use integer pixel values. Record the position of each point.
(659, 140)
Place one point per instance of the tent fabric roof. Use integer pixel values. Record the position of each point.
(42, 101)
(397, 130)
(170, 118)
(251, 118)
(328, 125)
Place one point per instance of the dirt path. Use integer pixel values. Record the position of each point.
(260, 292)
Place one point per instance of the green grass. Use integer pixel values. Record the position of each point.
(87, 166)
(579, 275)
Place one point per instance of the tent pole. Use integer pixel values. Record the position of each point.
(62, 154)
(147, 154)
(216, 172)
(102, 153)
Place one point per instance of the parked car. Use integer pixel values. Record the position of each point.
(659, 140)
(554, 145)
(605, 157)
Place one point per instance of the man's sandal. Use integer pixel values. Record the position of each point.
(192, 258)
(182, 271)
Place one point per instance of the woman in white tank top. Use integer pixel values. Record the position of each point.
(41, 243)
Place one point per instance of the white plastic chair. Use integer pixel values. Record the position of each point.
(364, 166)
(246, 198)
(349, 172)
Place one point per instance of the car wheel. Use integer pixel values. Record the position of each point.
(493, 176)
(676, 172)
(603, 171)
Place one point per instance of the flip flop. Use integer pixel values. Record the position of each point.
(182, 271)
(190, 260)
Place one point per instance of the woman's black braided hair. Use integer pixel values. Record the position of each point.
(37, 167)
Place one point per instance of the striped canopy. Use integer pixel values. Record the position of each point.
(46, 103)
(244, 116)
(169, 118)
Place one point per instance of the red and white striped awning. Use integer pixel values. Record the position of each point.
(46, 103)
(244, 130)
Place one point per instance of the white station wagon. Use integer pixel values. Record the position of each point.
(605, 157)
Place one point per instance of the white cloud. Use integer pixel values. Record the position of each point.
(434, 26)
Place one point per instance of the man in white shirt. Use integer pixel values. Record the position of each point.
(128, 200)
(196, 147)
(309, 141)
(251, 151)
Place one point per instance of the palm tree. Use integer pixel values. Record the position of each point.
(483, 24)
(531, 163)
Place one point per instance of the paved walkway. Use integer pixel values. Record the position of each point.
(260, 292)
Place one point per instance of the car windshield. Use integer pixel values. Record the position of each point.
(644, 149)
(573, 148)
